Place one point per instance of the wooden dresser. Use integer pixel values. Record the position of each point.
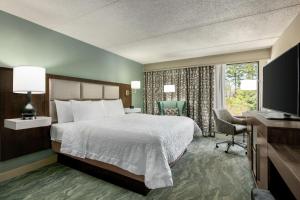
(274, 154)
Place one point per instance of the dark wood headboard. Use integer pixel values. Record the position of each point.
(21, 142)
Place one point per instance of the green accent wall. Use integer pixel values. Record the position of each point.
(25, 43)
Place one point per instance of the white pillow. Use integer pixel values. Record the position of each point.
(113, 107)
(64, 111)
(87, 110)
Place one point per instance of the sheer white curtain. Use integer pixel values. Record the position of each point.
(219, 86)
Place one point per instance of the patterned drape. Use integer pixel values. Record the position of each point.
(194, 85)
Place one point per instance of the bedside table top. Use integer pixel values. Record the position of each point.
(18, 123)
(133, 110)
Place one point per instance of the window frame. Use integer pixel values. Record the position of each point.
(258, 81)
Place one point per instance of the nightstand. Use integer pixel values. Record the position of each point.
(19, 124)
(133, 110)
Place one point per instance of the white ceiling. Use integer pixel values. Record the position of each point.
(149, 31)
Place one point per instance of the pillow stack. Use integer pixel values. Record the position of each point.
(74, 111)
(64, 111)
(87, 110)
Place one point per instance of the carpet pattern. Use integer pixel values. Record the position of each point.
(202, 173)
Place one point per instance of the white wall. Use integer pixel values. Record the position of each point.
(247, 56)
(289, 38)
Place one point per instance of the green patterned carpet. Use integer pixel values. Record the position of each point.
(202, 173)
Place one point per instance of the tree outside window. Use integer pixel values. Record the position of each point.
(241, 99)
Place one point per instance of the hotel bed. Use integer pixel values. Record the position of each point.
(139, 143)
(138, 146)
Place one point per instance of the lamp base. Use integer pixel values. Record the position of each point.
(29, 111)
(28, 116)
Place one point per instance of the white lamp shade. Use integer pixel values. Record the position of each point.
(248, 85)
(29, 79)
(169, 88)
(135, 84)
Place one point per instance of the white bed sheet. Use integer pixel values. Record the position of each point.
(139, 143)
(57, 130)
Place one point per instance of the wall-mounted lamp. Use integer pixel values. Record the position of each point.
(169, 88)
(29, 80)
(135, 85)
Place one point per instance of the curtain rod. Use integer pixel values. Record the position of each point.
(193, 66)
(185, 67)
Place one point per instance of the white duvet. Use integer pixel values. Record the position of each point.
(139, 143)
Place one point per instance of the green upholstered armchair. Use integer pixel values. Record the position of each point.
(181, 105)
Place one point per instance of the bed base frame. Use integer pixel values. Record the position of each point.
(105, 171)
(106, 175)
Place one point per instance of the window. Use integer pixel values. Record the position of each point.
(241, 92)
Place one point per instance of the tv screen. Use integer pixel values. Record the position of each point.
(281, 83)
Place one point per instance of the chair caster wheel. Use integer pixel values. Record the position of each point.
(246, 153)
(217, 146)
(226, 151)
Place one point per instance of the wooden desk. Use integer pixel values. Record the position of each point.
(274, 154)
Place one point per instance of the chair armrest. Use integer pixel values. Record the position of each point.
(225, 127)
(240, 116)
(241, 121)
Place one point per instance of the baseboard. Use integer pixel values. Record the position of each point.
(27, 168)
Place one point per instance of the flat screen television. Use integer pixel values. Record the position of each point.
(281, 83)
